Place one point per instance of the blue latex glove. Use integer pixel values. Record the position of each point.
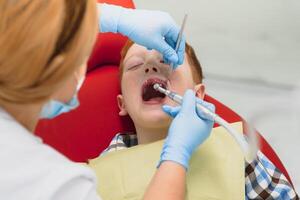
(187, 130)
(152, 29)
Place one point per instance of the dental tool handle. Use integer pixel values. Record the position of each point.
(178, 99)
(179, 38)
(181, 32)
(239, 138)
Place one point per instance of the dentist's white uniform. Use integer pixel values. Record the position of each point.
(31, 170)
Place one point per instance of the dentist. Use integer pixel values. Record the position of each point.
(44, 46)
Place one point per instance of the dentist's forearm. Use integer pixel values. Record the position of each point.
(168, 183)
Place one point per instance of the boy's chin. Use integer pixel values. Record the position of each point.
(156, 118)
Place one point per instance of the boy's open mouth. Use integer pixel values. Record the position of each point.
(149, 93)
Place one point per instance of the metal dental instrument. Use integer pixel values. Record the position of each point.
(179, 39)
(249, 153)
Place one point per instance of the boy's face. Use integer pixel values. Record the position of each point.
(142, 69)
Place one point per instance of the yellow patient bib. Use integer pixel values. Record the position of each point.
(216, 170)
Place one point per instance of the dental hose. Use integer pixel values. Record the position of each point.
(249, 153)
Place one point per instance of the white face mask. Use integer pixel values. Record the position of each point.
(55, 108)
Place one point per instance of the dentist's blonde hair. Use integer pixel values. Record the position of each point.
(42, 42)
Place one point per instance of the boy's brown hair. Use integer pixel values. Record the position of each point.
(191, 56)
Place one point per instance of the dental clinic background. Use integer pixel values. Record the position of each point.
(250, 54)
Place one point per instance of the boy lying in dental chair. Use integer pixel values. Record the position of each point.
(142, 69)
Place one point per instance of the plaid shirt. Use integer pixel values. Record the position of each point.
(262, 179)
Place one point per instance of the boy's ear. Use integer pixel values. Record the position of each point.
(121, 104)
(200, 90)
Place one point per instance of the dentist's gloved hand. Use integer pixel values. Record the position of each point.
(152, 29)
(187, 131)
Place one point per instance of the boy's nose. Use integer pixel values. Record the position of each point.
(158, 69)
(152, 70)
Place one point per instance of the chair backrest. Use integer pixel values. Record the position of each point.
(85, 132)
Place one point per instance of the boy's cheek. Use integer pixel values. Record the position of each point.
(130, 87)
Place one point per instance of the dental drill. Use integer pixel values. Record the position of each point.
(249, 153)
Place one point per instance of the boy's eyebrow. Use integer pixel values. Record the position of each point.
(126, 60)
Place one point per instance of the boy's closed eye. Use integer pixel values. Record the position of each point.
(134, 67)
(134, 63)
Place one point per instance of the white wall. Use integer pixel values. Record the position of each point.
(251, 39)
(250, 53)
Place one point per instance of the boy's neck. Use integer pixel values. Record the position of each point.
(146, 136)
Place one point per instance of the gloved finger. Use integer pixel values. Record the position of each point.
(172, 44)
(171, 38)
(181, 51)
(207, 105)
(166, 61)
(169, 54)
(189, 103)
(170, 110)
(172, 34)
(172, 41)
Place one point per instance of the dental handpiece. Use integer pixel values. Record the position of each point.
(249, 154)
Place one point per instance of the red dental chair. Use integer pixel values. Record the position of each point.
(85, 132)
